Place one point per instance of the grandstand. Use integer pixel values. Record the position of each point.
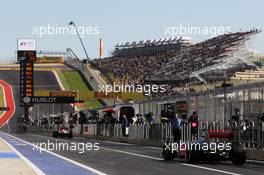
(132, 69)
(215, 52)
(150, 47)
(221, 58)
(257, 75)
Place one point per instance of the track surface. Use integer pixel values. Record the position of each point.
(118, 158)
(42, 80)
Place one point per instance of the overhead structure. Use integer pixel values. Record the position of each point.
(155, 42)
(205, 56)
(86, 54)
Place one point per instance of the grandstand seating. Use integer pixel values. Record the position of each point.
(256, 75)
(132, 69)
(150, 47)
(177, 65)
(204, 54)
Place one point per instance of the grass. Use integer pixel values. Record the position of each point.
(72, 80)
(63, 80)
(2, 102)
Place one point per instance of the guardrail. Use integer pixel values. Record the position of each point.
(251, 134)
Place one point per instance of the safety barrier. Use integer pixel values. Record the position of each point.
(250, 134)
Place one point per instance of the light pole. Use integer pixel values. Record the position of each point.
(72, 23)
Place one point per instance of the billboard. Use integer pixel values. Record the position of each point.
(26, 55)
(63, 94)
(26, 80)
(111, 95)
(52, 99)
(26, 44)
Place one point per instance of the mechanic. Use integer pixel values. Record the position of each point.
(176, 123)
(124, 124)
(194, 121)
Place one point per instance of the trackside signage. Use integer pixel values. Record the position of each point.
(26, 55)
(52, 99)
(25, 44)
(4, 108)
(63, 94)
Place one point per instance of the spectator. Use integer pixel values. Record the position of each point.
(124, 124)
(176, 123)
(236, 116)
(140, 119)
(150, 119)
(194, 121)
(262, 118)
(134, 120)
(176, 64)
(82, 120)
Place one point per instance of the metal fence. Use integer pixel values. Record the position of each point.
(218, 104)
(251, 134)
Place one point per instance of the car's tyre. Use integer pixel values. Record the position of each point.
(70, 135)
(55, 134)
(168, 155)
(194, 156)
(238, 157)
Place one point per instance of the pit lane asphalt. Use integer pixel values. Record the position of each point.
(42, 80)
(121, 158)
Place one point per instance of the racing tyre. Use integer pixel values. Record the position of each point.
(238, 157)
(168, 155)
(194, 156)
(55, 134)
(70, 135)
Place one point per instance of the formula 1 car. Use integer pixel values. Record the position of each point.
(62, 128)
(62, 131)
(225, 147)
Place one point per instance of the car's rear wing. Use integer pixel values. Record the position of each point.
(220, 134)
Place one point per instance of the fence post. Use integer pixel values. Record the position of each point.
(252, 124)
(262, 135)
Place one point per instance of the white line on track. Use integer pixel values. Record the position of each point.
(255, 161)
(58, 80)
(152, 147)
(210, 169)
(156, 158)
(20, 144)
(109, 149)
(117, 143)
(62, 157)
(133, 154)
(128, 144)
(28, 162)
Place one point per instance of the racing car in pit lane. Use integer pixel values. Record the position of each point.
(62, 127)
(62, 131)
(226, 147)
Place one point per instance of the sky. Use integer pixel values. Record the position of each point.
(120, 20)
